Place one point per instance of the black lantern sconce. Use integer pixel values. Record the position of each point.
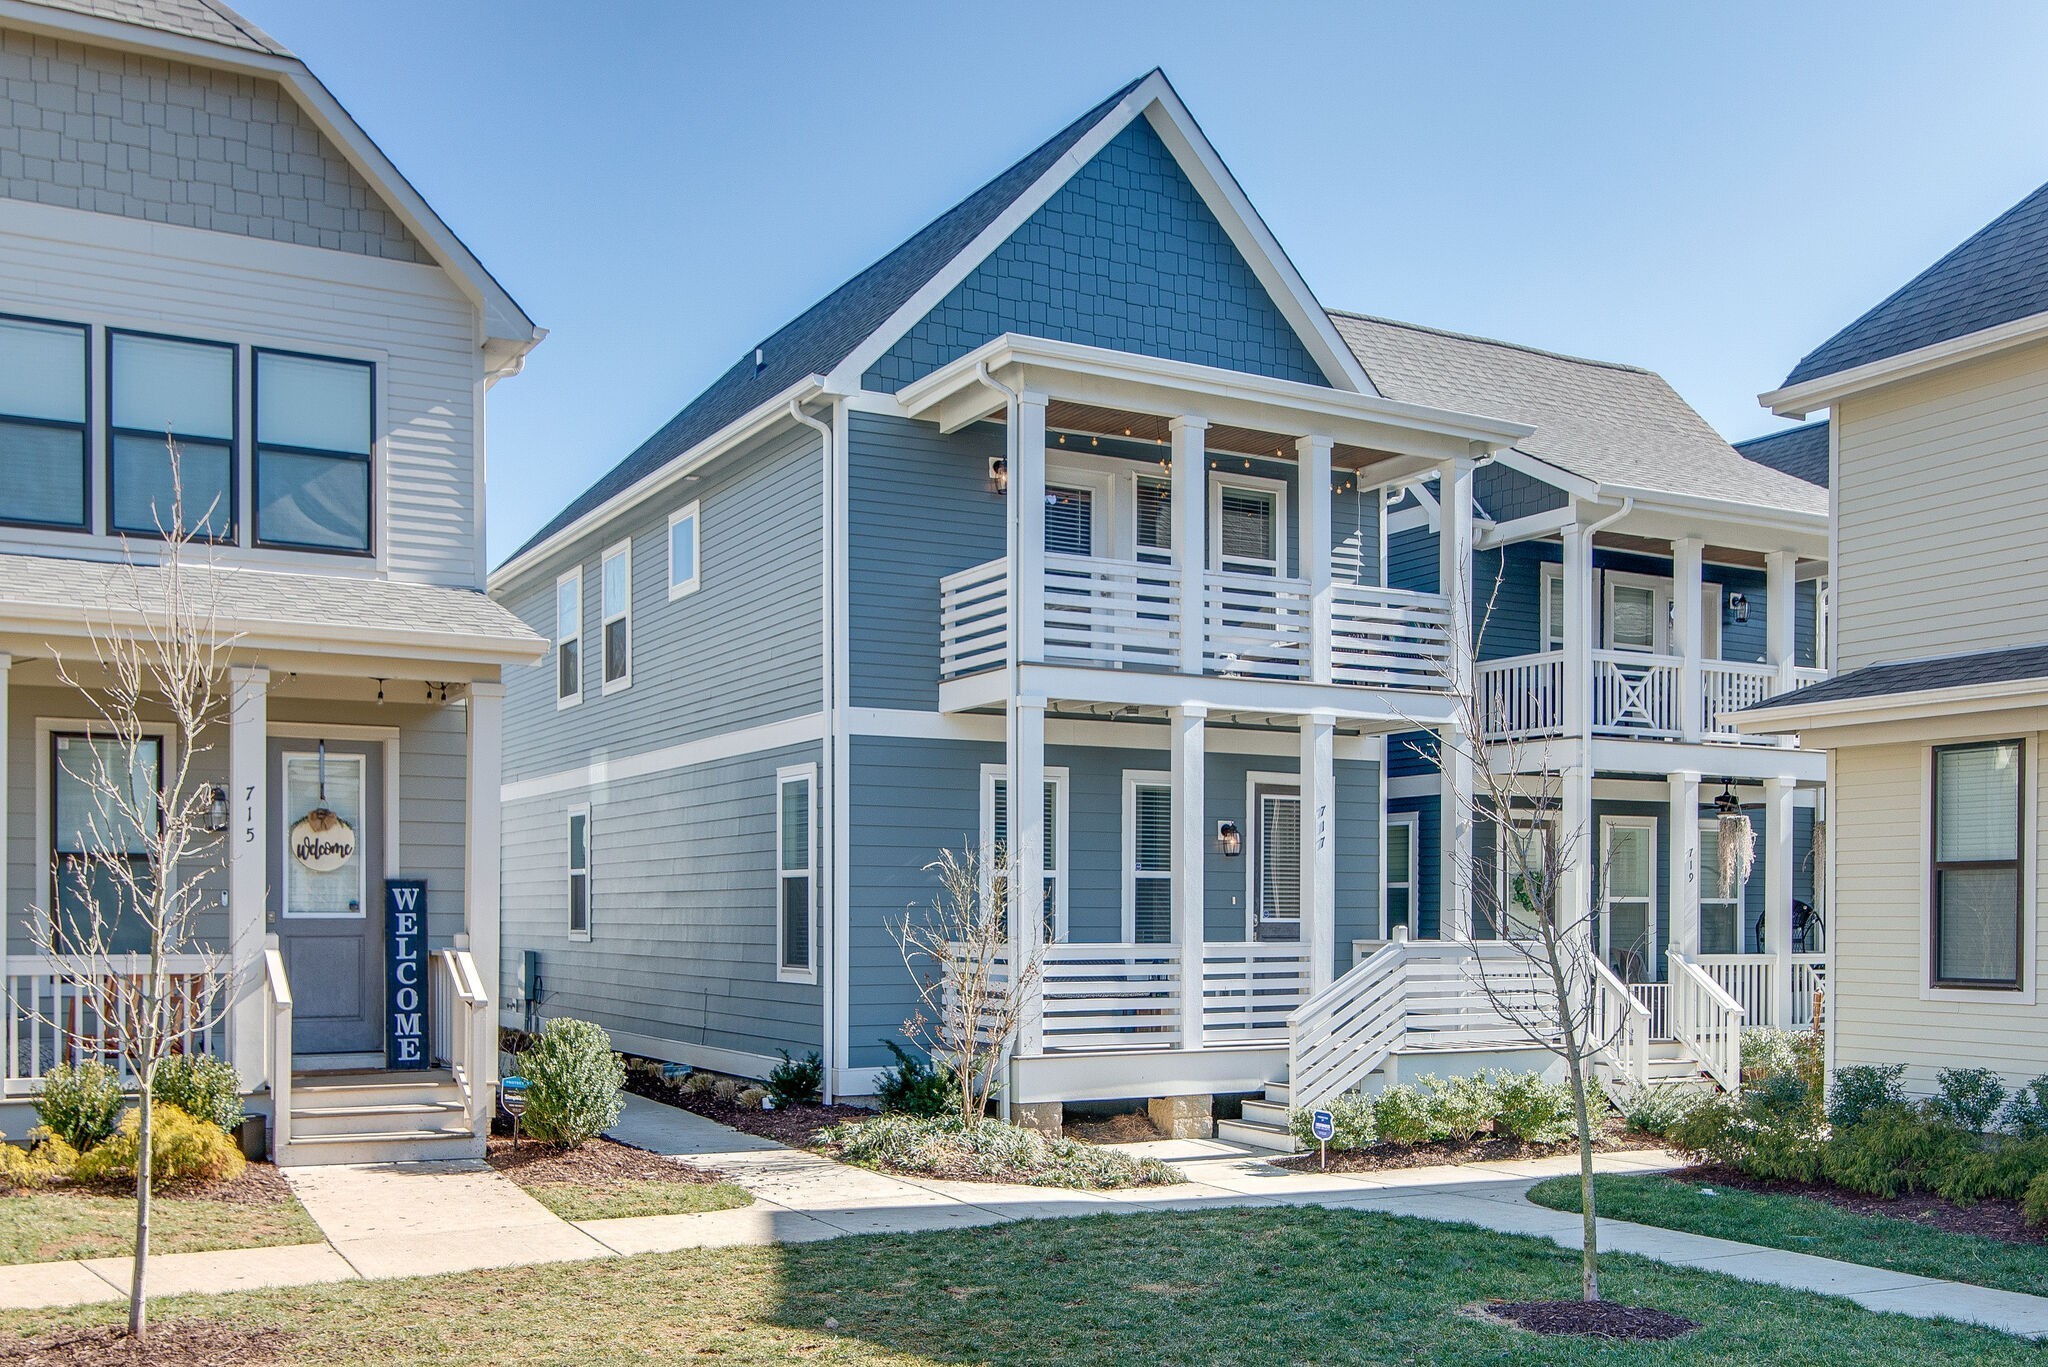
(217, 809)
(1727, 804)
(1738, 606)
(1230, 838)
(999, 474)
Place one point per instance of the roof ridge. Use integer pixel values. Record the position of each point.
(1492, 341)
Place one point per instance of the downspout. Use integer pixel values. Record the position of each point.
(829, 767)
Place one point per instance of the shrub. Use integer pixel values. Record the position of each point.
(1458, 1107)
(1352, 1116)
(796, 1082)
(181, 1149)
(80, 1105)
(1970, 1097)
(2001, 1171)
(945, 1146)
(1766, 1050)
(1778, 1097)
(1656, 1110)
(696, 1084)
(2034, 1205)
(1532, 1110)
(2026, 1111)
(575, 1083)
(750, 1098)
(727, 1089)
(1895, 1149)
(1759, 1135)
(1401, 1116)
(1863, 1089)
(201, 1086)
(48, 1158)
(915, 1086)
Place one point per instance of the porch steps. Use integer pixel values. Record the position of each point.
(377, 1118)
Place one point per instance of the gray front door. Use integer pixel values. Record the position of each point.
(325, 907)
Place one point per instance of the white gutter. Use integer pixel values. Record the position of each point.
(827, 978)
(1799, 400)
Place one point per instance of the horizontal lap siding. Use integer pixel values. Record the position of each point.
(682, 907)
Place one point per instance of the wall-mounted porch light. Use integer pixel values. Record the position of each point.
(1727, 804)
(1738, 606)
(217, 809)
(1230, 838)
(999, 474)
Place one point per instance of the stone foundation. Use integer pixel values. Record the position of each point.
(1183, 1117)
(1047, 1117)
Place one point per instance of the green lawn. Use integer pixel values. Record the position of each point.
(1808, 1226)
(1226, 1286)
(45, 1226)
(611, 1202)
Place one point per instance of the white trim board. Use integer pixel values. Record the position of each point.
(726, 745)
(1105, 734)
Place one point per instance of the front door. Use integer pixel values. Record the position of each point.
(326, 884)
(1276, 864)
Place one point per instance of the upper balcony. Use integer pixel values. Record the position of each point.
(1636, 695)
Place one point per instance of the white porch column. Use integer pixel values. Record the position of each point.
(1454, 563)
(481, 910)
(1319, 847)
(1191, 532)
(1778, 895)
(1685, 863)
(1574, 760)
(248, 839)
(1781, 607)
(1027, 552)
(1686, 587)
(1026, 770)
(6, 667)
(1189, 737)
(1315, 550)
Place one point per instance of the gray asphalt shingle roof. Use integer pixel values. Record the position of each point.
(1614, 424)
(205, 20)
(1801, 452)
(1919, 676)
(2000, 274)
(825, 334)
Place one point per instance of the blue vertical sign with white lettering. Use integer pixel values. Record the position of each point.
(405, 970)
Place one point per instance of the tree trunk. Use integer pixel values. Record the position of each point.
(138, 1287)
(1589, 1258)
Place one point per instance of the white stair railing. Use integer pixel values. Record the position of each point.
(1621, 1025)
(1337, 1037)
(461, 1017)
(1706, 1021)
(277, 995)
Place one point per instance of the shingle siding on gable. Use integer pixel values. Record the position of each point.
(1508, 494)
(117, 133)
(1124, 255)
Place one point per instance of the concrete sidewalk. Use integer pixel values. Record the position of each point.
(396, 1220)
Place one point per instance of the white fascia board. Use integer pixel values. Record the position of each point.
(63, 622)
(749, 424)
(1920, 705)
(1756, 516)
(1799, 400)
(503, 320)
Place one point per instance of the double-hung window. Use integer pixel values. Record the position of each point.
(796, 872)
(995, 841)
(1148, 861)
(1978, 913)
(615, 595)
(314, 429)
(569, 638)
(579, 873)
(683, 527)
(1721, 912)
(43, 446)
(167, 393)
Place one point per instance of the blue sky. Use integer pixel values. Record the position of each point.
(1706, 190)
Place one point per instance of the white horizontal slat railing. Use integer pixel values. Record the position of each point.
(974, 619)
(1255, 626)
(1113, 613)
(1389, 638)
(1249, 989)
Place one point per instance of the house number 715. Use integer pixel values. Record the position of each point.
(249, 814)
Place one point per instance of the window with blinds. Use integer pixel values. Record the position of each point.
(1978, 913)
(999, 840)
(795, 870)
(1279, 880)
(1151, 868)
(1155, 521)
(1631, 617)
(1247, 530)
(1553, 609)
(1069, 521)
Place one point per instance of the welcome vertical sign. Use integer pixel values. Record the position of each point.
(405, 969)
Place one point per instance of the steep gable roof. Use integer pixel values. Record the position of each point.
(1998, 276)
(202, 19)
(1611, 424)
(1801, 452)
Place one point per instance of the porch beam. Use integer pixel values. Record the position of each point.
(1188, 741)
(1315, 551)
(248, 872)
(1687, 587)
(1190, 533)
(1686, 875)
(1319, 847)
(1778, 895)
(1027, 512)
(1026, 771)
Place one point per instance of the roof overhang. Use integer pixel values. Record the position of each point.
(1799, 400)
(1918, 707)
(29, 628)
(508, 334)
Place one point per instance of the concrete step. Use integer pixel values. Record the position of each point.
(324, 1120)
(1253, 1135)
(380, 1146)
(1270, 1113)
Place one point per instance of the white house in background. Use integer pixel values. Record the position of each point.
(1937, 403)
(195, 238)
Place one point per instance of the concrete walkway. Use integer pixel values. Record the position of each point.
(418, 1219)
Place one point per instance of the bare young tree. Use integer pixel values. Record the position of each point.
(974, 990)
(129, 929)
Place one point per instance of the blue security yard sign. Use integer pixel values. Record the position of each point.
(405, 970)
(1323, 1126)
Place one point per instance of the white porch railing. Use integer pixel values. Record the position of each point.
(1110, 997)
(1730, 686)
(461, 1022)
(1809, 990)
(277, 1045)
(1249, 990)
(1706, 1020)
(65, 1009)
(974, 619)
(1522, 696)
(1751, 979)
(1389, 638)
(1636, 694)
(1255, 626)
(1111, 612)
(1622, 1023)
(1658, 1000)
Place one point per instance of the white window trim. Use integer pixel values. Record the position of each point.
(1660, 610)
(1609, 824)
(555, 656)
(1056, 839)
(569, 872)
(807, 773)
(604, 621)
(47, 728)
(678, 588)
(1135, 779)
(1249, 832)
(1544, 626)
(2030, 824)
(1407, 823)
(1219, 481)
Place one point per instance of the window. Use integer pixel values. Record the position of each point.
(1276, 858)
(321, 781)
(569, 638)
(1978, 913)
(795, 871)
(1628, 892)
(1720, 917)
(314, 426)
(1524, 850)
(91, 898)
(1553, 607)
(1069, 520)
(1400, 874)
(1148, 860)
(1248, 526)
(43, 471)
(682, 552)
(164, 392)
(579, 873)
(1634, 615)
(1154, 512)
(995, 836)
(615, 602)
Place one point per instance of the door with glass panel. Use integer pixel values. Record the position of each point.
(1628, 896)
(1400, 879)
(1525, 862)
(1721, 911)
(1073, 517)
(1276, 864)
(326, 864)
(997, 838)
(1254, 630)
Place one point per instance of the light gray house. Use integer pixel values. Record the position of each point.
(196, 238)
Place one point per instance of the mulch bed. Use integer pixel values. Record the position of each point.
(170, 1343)
(1615, 1138)
(794, 1125)
(599, 1163)
(1129, 1128)
(1988, 1219)
(1590, 1319)
(259, 1185)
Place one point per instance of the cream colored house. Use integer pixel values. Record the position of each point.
(1937, 404)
